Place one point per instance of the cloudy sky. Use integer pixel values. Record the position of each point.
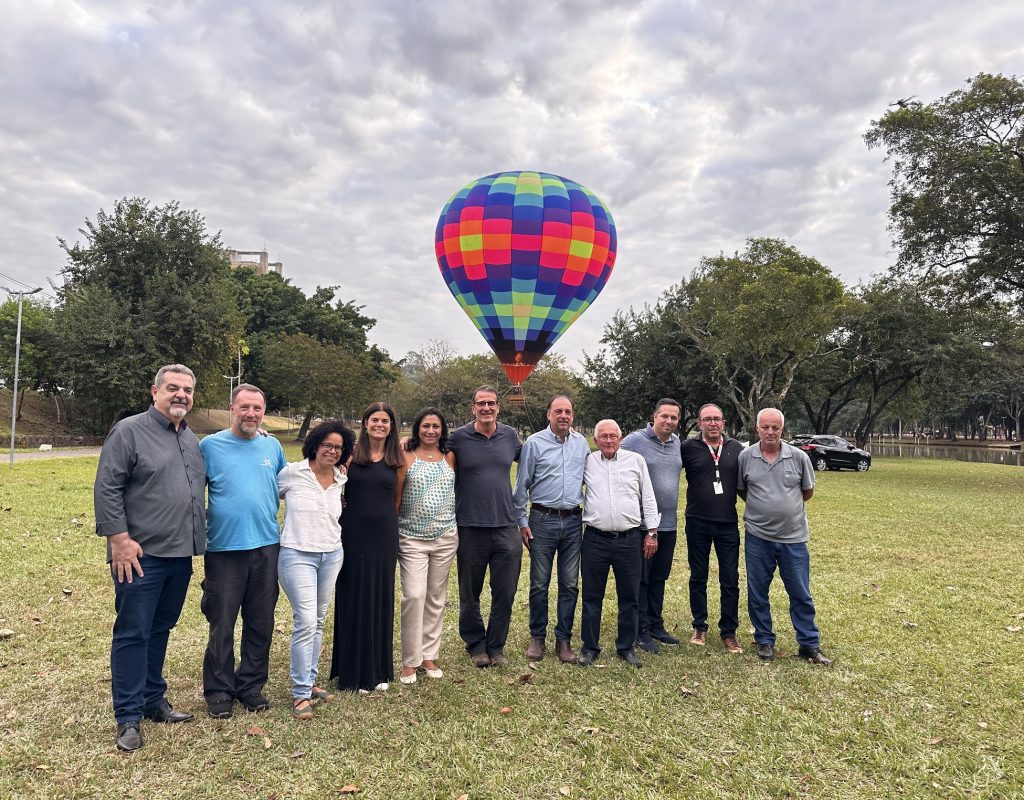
(333, 133)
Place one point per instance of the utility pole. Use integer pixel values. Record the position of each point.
(17, 357)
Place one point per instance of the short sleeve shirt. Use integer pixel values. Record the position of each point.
(775, 501)
(483, 470)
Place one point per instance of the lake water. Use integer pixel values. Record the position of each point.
(982, 455)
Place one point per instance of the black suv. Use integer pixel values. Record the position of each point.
(832, 452)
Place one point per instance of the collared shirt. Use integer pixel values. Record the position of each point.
(242, 506)
(701, 501)
(619, 493)
(151, 482)
(483, 476)
(550, 472)
(775, 501)
(311, 512)
(664, 464)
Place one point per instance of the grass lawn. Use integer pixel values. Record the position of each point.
(918, 579)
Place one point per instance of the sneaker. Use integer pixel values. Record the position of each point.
(700, 637)
(732, 644)
(254, 702)
(665, 637)
(381, 687)
(648, 645)
(766, 652)
(129, 736)
(220, 709)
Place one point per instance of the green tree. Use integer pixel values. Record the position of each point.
(756, 317)
(318, 379)
(645, 356)
(957, 189)
(147, 287)
(34, 364)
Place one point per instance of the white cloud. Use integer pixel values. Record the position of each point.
(333, 133)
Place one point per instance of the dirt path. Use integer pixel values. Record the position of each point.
(68, 452)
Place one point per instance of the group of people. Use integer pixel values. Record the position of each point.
(356, 507)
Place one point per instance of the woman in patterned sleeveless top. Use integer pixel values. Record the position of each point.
(427, 542)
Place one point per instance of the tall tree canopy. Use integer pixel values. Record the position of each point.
(958, 185)
(756, 317)
(148, 286)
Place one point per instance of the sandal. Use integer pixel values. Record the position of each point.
(301, 708)
(322, 695)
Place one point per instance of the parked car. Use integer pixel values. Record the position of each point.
(832, 452)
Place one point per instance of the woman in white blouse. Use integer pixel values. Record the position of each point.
(311, 553)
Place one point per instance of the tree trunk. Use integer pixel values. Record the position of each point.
(304, 427)
(21, 402)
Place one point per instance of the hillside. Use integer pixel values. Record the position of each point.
(39, 418)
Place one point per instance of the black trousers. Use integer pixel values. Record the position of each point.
(725, 536)
(501, 551)
(623, 555)
(239, 581)
(654, 575)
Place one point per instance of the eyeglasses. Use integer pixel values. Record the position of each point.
(712, 419)
(332, 448)
(485, 403)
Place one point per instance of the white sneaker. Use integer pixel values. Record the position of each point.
(381, 687)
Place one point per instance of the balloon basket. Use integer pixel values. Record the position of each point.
(515, 397)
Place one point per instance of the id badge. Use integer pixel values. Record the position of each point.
(718, 487)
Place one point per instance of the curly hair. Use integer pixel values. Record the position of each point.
(316, 437)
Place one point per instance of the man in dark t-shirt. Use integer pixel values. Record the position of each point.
(488, 527)
(710, 466)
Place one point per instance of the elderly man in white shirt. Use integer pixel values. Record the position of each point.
(618, 507)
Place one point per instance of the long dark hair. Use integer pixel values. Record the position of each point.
(392, 455)
(414, 438)
(316, 437)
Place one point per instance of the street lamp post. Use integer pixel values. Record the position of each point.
(17, 357)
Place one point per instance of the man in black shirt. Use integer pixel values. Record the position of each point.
(488, 527)
(149, 502)
(710, 464)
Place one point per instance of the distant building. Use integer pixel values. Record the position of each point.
(256, 260)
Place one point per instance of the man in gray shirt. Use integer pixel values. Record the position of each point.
(659, 446)
(148, 499)
(776, 479)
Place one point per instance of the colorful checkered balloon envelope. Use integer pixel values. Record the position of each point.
(524, 254)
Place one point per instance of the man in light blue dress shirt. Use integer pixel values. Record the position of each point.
(551, 475)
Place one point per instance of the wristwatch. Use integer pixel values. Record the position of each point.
(653, 535)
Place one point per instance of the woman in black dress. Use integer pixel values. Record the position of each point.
(364, 616)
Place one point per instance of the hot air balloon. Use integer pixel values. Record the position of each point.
(524, 254)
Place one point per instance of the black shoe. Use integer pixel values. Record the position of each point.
(647, 644)
(631, 658)
(766, 652)
(815, 656)
(586, 658)
(254, 702)
(220, 709)
(165, 713)
(665, 637)
(129, 736)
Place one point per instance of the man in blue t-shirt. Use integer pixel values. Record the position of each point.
(243, 540)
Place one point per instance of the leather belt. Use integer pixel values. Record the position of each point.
(556, 512)
(609, 534)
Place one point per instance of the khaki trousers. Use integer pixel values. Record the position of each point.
(425, 565)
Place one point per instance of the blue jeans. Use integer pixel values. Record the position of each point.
(147, 609)
(308, 580)
(562, 535)
(794, 563)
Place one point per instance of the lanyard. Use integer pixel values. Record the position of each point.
(716, 456)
